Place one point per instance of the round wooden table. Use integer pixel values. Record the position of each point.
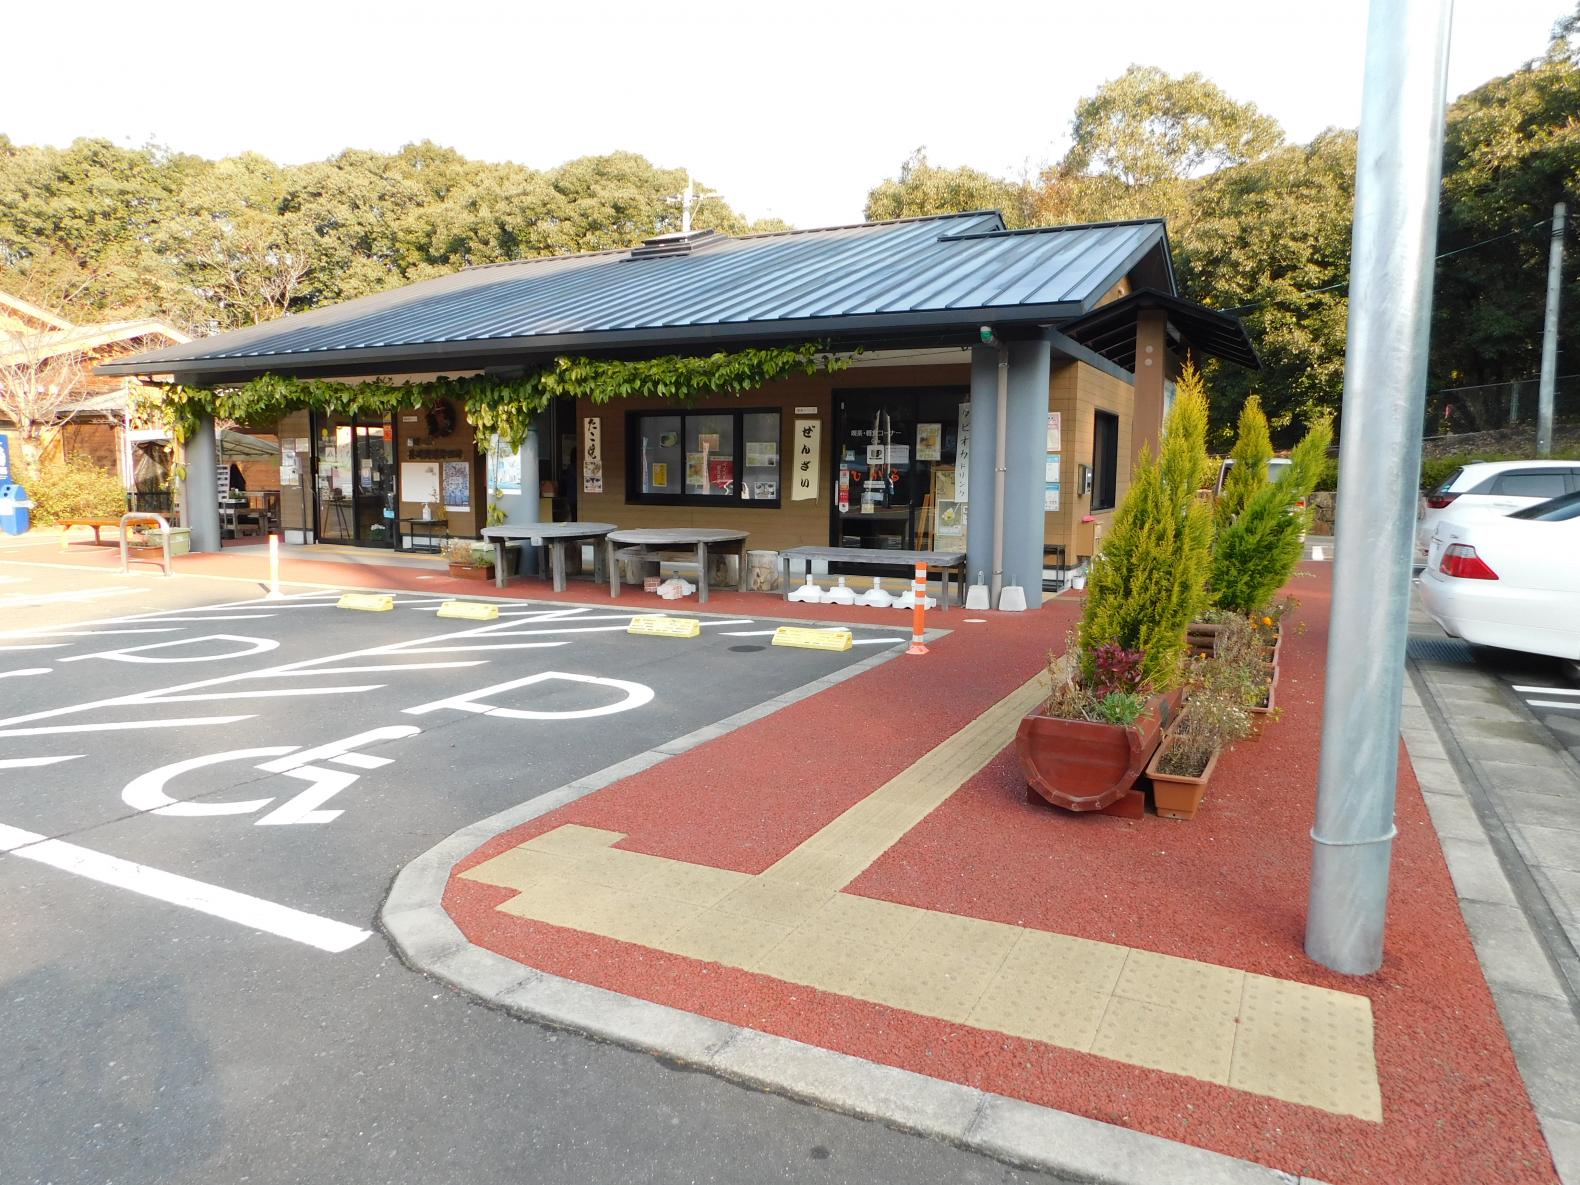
(553, 536)
(648, 543)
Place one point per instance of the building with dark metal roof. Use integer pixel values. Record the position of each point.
(1086, 321)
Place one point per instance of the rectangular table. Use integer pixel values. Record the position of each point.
(946, 562)
(433, 530)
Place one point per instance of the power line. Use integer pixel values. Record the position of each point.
(1256, 304)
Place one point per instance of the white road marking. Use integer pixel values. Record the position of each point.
(47, 633)
(215, 617)
(119, 726)
(1549, 690)
(28, 762)
(1568, 705)
(25, 671)
(269, 693)
(635, 695)
(394, 666)
(254, 646)
(325, 934)
(146, 792)
(36, 646)
(490, 646)
(74, 596)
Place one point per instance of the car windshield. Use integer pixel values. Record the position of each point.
(1554, 510)
(1448, 482)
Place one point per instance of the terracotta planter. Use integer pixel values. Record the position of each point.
(468, 572)
(1085, 766)
(1260, 716)
(1177, 796)
(1201, 638)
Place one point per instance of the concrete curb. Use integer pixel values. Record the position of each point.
(1006, 1129)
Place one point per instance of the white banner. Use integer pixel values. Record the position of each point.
(592, 455)
(804, 455)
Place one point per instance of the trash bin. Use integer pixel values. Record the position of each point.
(15, 509)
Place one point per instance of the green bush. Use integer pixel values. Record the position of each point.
(1254, 555)
(1253, 449)
(73, 488)
(1150, 580)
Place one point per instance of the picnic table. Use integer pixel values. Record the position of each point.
(650, 544)
(554, 537)
(946, 562)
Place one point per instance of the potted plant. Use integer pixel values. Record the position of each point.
(1117, 684)
(470, 560)
(1214, 716)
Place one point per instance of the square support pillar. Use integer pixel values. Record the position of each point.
(1027, 440)
(200, 487)
(1146, 424)
(984, 433)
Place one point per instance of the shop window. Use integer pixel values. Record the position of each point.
(705, 458)
(1105, 460)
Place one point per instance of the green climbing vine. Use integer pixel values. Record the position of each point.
(495, 405)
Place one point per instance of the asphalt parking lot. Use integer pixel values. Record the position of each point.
(1549, 688)
(201, 808)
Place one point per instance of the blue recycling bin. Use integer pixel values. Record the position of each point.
(15, 509)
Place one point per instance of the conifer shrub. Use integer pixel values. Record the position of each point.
(1149, 582)
(1255, 554)
(1253, 449)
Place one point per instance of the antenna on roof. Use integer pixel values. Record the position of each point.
(690, 200)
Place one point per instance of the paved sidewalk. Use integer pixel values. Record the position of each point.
(1059, 991)
(1506, 804)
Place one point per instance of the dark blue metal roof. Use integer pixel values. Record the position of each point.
(887, 281)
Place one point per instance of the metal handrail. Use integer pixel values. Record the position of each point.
(164, 533)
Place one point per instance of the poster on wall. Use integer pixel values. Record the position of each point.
(504, 468)
(660, 478)
(592, 455)
(696, 472)
(929, 442)
(290, 475)
(721, 475)
(1050, 496)
(963, 454)
(1050, 467)
(457, 485)
(419, 482)
(951, 519)
(1055, 432)
(804, 477)
(762, 454)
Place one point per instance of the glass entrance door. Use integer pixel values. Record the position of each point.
(894, 470)
(355, 480)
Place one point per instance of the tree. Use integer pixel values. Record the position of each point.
(1253, 449)
(1512, 149)
(924, 188)
(1150, 581)
(39, 389)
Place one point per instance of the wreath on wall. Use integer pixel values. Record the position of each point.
(441, 419)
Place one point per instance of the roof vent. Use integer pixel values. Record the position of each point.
(680, 243)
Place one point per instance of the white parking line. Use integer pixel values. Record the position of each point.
(119, 726)
(25, 671)
(30, 762)
(1554, 703)
(272, 918)
(1548, 690)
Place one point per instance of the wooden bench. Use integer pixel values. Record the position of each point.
(97, 524)
(947, 562)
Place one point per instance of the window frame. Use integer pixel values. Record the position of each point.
(1104, 476)
(633, 459)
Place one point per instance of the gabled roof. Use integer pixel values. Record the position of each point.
(84, 339)
(14, 308)
(1111, 329)
(937, 278)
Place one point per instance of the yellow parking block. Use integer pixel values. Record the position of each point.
(469, 611)
(813, 639)
(368, 602)
(653, 626)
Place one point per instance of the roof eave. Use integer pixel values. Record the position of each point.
(839, 332)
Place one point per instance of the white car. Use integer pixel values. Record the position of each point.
(1494, 488)
(1511, 582)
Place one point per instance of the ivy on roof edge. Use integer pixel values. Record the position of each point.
(495, 405)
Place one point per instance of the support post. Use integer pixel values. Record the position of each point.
(1396, 197)
(200, 487)
(1027, 422)
(981, 462)
(1146, 420)
(1544, 396)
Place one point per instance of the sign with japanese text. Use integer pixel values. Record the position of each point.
(805, 451)
(592, 455)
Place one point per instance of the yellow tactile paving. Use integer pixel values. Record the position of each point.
(1266, 1036)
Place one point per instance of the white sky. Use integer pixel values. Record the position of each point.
(789, 110)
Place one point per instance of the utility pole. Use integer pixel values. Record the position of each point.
(689, 201)
(1544, 396)
(1399, 168)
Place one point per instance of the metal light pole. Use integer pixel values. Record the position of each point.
(1398, 170)
(1544, 396)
